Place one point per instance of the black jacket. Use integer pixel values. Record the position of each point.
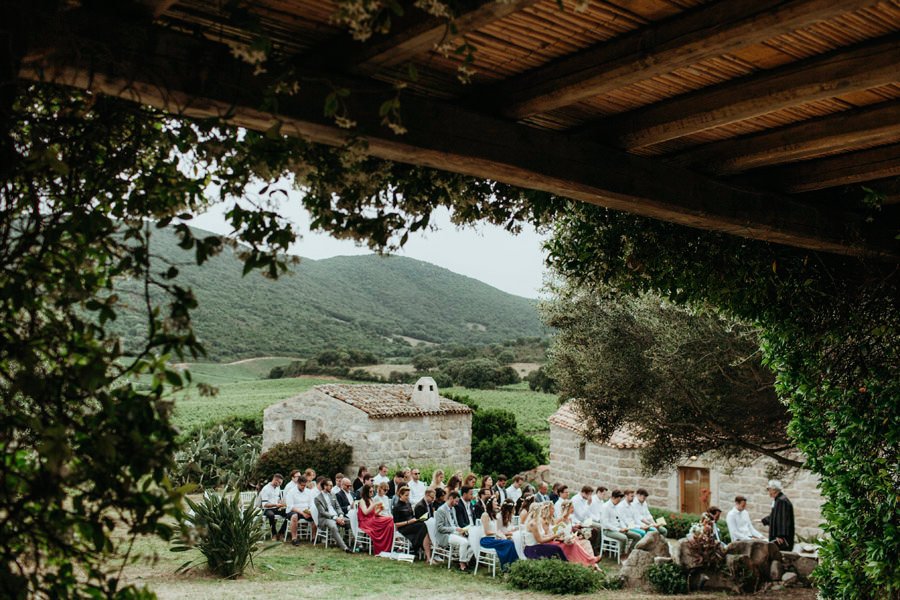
(422, 507)
(462, 517)
(781, 522)
(344, 502)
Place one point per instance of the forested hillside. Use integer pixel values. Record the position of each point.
(362, 302)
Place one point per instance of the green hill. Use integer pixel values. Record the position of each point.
(366, 302)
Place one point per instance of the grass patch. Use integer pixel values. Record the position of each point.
(531, 408)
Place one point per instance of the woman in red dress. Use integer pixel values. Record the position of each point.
(380, 529)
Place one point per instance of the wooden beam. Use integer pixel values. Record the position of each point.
(843, 169)
(158, 7)
(658, 49)
(874, 125)
(842, 71)
(195, 78)
(411, 35)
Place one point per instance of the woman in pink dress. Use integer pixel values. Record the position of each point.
(380, 529)
(574, 553)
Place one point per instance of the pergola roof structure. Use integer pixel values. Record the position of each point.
(760, 118)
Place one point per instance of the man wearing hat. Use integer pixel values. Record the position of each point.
(781, 520)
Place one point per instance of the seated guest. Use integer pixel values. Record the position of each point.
(522, 499)
(565, 540)
(310, 475)
(642, 511)
(506, 528)
(448, 531)
(378, 527)
(583, 514)
(409, 526)
(542, 494)
(425, 506)
(338, 477)
(628, 516)
(298, 502)
(614, 527)
(710, 523)
(481, 500)
(317, 488)
(488, 482)
(385, 500)
(464, 515)
(739, 524)
(538, 540)
(453, 484)
(437, 479)
(330, 515)
(563, 494)
(597, 502)
(345, 497)
(366, 479)
(416, 488)
(439, 498)
(396, 483)
(358, 482)
(571, 532)
(554, 496)
(523, 506)
(271, 502)
(381, 476)
(500, 489)
(514, 491)
(470, 480)
(494, 539)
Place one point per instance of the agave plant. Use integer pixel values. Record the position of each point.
(223, 456)
(228, 535)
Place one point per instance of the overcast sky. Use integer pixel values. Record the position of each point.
(512, 263)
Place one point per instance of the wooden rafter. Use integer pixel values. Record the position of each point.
(158, 7)
(843, 169)
(172, 74)
(866, 66)
(873, 126)
(658, 49)
(411, 35)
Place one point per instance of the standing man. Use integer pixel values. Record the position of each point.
(448, 531)
(272, 504)
(781, 520)
(330, 516)
(739, 524)
(416, 487)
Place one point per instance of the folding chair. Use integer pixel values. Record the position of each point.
(401, 544)
(611, 546)
(321, 532)
(361, 539)
(486, 556)
(443, 552)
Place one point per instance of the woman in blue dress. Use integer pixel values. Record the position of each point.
(503, 546)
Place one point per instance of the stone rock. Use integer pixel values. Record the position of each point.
(635, 567)
(675, 551)
(776, 570)
(789, 579)
(742, 576)
(654, 543)
(804, 566)
(685, 559)
(789, 559)
(658, 560)
(760, 553)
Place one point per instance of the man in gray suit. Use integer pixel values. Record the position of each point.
(449, 533)
(330, 515)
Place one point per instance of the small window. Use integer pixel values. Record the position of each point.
(430, 388)
(582, 450)
(298, 431)
(421, 387)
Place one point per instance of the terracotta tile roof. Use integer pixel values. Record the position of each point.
(569, 418)
(386, 400)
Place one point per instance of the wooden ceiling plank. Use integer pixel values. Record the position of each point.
(195, 78)
(874, 125)
(684, 40)
(867, 65)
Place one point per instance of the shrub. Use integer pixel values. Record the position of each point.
(541, 381)
(678, 525)
(324, 455)
(222, 456)
(667, 578)
(227, 535)
(481, 373)
(499, 447)
(557, 577)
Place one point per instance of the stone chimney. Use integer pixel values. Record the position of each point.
(425, 395)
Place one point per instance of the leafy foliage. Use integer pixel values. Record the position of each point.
(499, 447)
(678, 525)
(322, 454)
(686, 381)
(220, 457)
(227, 535)
(540, 380)
(481, 373)
(830, 331)
(667, 578)
(558, 577)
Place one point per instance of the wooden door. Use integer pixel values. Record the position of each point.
(694, 489)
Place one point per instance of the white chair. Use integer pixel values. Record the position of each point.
(611, 546)
(486, 556)
(361, 539)
(515, 520)
(321, 532)
(442, 552)
(249, 499)
(304, 528)
(401, 544)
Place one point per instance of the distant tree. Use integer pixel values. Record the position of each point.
(424, 362)
(540, 380)
(686, 381)
(499, 447)
(505, 357)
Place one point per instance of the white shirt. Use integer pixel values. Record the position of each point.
(557, 508)
(297, 501)
(379, 479)
(416, 491)
(740, 526)
(513, 493)
(626, 514)
(609, 517)
(582, 509)
(385, 505)
(596, 508)
(642, 512)
(270, 494)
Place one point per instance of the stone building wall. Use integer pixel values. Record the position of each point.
(620, 468)
(429, 440)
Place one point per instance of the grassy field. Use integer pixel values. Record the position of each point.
(242, 392)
